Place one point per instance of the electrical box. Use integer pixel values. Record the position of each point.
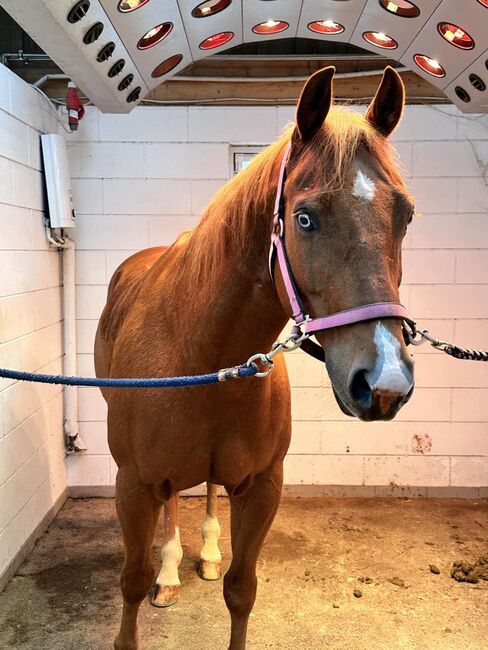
(58, 181)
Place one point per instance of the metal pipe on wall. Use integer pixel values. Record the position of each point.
(73, 440)
(71, 428)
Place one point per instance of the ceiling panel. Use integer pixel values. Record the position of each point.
(467, 15)
(376, 19)
(468, 82)
(346, 14)
(255, 12)
(131, 26)
(199, 29)
(47, 23)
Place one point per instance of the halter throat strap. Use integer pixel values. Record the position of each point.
(302, 319)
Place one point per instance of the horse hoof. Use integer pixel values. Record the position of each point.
(209, 570)
(165, 596)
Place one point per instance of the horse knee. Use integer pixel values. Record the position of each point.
(135, 582)
(240, 592)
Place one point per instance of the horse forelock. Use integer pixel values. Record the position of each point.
(237, 221)
(332, 150)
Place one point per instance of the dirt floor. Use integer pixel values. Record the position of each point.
(319, 551)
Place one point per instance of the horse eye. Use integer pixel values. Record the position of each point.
(410, 219)
(305, 222)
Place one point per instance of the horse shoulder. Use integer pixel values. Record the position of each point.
(123, 290)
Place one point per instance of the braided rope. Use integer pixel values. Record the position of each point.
(411, 337)
(465, 353)
(153, 382)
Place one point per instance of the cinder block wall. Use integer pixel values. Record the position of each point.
(32, 471)
(140, 179)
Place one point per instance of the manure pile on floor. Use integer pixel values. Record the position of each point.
(466, 572)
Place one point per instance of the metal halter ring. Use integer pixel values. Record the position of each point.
(425, 336)
(264, 360)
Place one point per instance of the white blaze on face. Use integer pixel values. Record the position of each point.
(364, 187)
(389, 373)
(171, 556)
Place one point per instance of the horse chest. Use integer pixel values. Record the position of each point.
(222, 433)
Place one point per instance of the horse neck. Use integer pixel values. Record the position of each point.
(234, 303)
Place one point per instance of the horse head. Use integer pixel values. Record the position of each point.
(346, 213)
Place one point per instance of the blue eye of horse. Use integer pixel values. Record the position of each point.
(305, 222)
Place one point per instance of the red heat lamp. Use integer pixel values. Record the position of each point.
(379, 39)
(402, 8)
(484, 3)
(210, 8)
(216, 40)
(270, 27)
(326, 27)
(431, 66)
(154, 36)
(456, 35)
(130, 5)
(166, 66)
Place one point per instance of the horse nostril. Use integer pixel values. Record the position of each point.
(360, 389)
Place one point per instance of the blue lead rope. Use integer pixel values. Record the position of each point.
(153, 382)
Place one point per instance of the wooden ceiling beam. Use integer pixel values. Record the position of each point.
(257, 80)
(280, 91)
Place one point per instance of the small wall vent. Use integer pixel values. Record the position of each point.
(477, 82)
(106, 52)
(117, 68)
(79, 11)
(93, 34)
(126, 82)
(134, 95)
(462, 94)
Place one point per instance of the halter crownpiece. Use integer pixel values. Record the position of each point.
(302, 319)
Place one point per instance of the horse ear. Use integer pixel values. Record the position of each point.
(314, 104)
(385, 111)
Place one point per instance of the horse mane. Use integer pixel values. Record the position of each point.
(241, 210)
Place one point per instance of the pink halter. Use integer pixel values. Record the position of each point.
(311, 325)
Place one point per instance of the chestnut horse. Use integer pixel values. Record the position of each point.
(208, 302)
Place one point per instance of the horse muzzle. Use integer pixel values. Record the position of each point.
(370, 401)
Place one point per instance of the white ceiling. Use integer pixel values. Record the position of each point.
(46, 21)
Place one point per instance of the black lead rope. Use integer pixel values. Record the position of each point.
(464, 353)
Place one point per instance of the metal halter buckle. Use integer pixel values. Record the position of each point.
(263, 358)
(292, 342)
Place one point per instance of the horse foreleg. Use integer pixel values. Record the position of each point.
(210, 556)
(251, 517)
(138, 514)
(167, 589)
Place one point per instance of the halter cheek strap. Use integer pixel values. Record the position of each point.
(302, 319)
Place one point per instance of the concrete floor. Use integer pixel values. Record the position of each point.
(66, 595)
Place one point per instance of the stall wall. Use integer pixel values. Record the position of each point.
(32, 471)
(142, 178)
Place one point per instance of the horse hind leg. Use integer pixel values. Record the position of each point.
(138, 512)
(210, 564)
(167, 589)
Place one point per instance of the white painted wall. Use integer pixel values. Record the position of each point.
(140, 179)
(32, 471)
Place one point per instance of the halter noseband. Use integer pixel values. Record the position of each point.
(302, 319)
